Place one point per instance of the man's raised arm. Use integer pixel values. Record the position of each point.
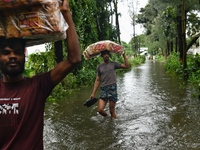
(73, 48)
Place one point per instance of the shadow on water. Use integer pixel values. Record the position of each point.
(153, 114)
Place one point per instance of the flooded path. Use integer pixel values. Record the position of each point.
(153, 114)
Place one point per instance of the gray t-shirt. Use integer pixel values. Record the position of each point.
(107, 73)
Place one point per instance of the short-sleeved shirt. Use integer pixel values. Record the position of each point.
(106, 71)
(21, 112)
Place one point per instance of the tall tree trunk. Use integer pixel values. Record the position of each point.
(180, 44)
(176, 44)
(171, 46)
(168, 48)
(117, 19)
(183, 14)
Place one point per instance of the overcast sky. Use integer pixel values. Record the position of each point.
(125, 21)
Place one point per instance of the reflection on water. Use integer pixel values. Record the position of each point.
(153, 114)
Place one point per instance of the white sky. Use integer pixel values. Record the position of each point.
(125, 24)
(125, 21)
(36, 48)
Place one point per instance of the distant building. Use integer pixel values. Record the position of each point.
(143, 50)
(195, 50)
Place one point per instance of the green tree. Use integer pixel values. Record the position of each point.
(166, 22)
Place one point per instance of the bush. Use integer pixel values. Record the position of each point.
(173, 65)
(135, 61)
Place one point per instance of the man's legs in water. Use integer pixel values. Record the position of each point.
(101, 106)
(112, 109)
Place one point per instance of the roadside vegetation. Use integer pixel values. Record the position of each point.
(174, 66)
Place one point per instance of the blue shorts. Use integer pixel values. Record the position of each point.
(109, 92)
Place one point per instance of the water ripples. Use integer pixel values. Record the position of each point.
(153, 113)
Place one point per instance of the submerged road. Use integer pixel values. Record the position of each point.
(154, 113)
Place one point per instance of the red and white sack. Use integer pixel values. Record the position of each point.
(96, 48)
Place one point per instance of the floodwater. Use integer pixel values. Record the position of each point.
(154, 113)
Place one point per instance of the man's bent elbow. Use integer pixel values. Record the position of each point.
(126, 66)
(78, 61)
(75, 61)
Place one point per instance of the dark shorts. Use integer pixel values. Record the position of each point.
(109, 93)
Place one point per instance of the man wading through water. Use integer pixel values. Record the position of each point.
(22, 99)
(107, 76)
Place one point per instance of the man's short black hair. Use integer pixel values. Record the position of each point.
(9, 42)
(105, 52)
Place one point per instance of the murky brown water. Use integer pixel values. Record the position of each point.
(153, 114)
